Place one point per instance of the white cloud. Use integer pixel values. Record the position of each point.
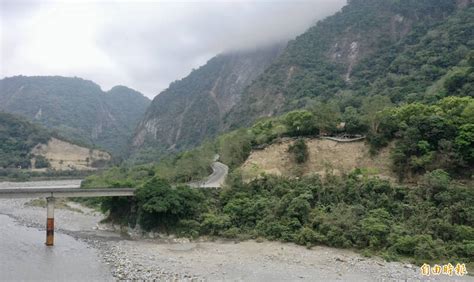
(142, 44)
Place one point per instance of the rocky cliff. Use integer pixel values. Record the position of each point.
(399, 49)
(192, 109)
(369, 47)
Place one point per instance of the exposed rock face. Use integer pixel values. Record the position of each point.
(323, 61)
(77, 109)
(193, 108)
(66, 156)
(463, 3)
(358, 52)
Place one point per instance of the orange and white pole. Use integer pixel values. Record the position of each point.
(50, 221)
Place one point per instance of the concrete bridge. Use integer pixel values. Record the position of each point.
(61, 192)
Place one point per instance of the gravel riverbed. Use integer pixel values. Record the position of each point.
(172, 259)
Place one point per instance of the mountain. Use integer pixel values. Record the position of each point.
(17, 138)
(396, 48)
(192, 109)
(76, 108)
(404, 50)
(26, 145)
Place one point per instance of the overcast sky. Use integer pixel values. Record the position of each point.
(144, 45)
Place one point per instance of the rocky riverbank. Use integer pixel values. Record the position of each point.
(166, 258)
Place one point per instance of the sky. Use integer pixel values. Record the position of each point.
(142, 44)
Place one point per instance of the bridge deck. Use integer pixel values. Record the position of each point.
(64, 192)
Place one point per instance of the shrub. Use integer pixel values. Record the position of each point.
(41, 162)
(432, 221)
(161, 205)
(300, 123)
(299, 150)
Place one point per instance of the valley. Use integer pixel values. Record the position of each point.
(137, 256)
(288, 146)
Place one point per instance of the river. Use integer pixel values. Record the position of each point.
(24, 256)
(86, 250)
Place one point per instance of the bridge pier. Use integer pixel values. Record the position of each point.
(61, 192)
(50, 221)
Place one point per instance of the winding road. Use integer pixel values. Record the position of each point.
(216, 179)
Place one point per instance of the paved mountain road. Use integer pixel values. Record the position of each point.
(216, 179)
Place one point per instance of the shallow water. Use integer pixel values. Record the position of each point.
(23, 256)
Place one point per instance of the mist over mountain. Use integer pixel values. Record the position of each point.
(142, 44)
(192, 109)
(398, 49)
(392, 48)
(357, 134)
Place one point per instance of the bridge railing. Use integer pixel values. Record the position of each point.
(64, 192)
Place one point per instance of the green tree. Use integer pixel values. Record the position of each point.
(327, 116)
(372, 108)
(41, 162)
(353, 121)
(299, 149)
(300, 123)
(235, 147)
(465, 142)
(162, 206)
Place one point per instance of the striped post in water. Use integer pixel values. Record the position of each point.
(50, 221)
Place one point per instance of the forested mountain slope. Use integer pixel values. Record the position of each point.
(399, 72)
(192, 109)
(17, 138)
(400, 49)
(77, 109)
(26, 145)
(404, 51)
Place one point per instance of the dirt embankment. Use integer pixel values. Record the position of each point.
(325, 156)
(66, 156)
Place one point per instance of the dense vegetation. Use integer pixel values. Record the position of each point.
(76, 109)
(434, 221)
(406, 51)
(431, 221)
(346, 68)
(17, 138)
(184, 167)
(426, 137)
(429, 137)
(407, 84)
(13, 174)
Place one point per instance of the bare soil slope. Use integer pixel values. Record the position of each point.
(325, 156)
(66, 156)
